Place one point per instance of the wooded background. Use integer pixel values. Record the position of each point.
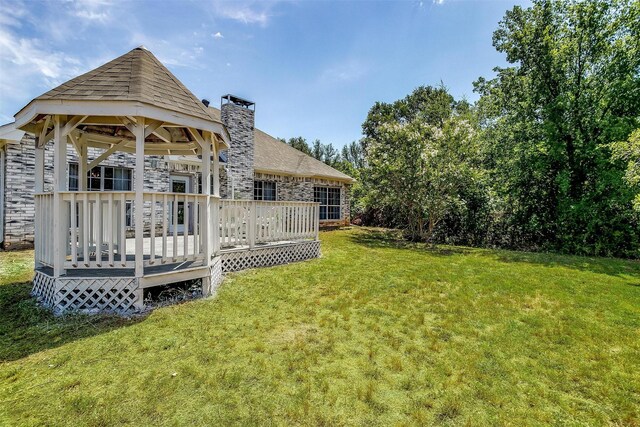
(548, 158)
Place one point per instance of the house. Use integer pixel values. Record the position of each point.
(256, 166)
(124, 180)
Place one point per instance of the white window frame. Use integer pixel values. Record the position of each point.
(129, 205)
(327, 188)
(262, 182)
(102, 177)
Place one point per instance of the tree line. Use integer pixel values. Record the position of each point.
(548, 158)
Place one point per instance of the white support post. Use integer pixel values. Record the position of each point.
(253, 224)
(82, 164)
(215, 226)
(139, 198)
(60, 228)
(206, 190)
(216, 171)
(317, 222)
(39, 187)
(83, 210)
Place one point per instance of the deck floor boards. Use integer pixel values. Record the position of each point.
(167, 267)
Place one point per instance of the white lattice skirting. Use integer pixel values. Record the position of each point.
(216, 272)
(121, 294)
(88, 294)
(268, 256)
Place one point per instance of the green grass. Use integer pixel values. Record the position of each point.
(376, 332)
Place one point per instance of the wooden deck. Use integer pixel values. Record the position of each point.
(90, 262)
(166, 267)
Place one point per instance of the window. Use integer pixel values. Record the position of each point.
(264, 190)
(73, 177)
(200, 184)
(102, 178)
(329, 199)
(105, 178)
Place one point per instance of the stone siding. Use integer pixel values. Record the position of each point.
(19, 211)
(345, 203)
(20, 184)
(293, 188)
(19, 208)
(239, 122)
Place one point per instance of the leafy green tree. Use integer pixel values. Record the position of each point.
(419, 156)
(324, 152)
(629, 152)
(354, 155)
(330, 155)
(573, 87)
(299, 143)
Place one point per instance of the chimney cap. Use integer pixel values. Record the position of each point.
(236, 100)
(205, 102)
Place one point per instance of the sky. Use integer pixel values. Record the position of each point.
(313, 68)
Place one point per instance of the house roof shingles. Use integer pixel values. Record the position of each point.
(135, 76)
(271, 155)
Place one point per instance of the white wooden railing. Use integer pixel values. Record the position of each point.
(247, 223)
(101, 234)
(97, 223)
(175, 237)
(43, 229)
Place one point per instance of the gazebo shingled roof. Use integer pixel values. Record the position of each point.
(103, 104)
(135, 76)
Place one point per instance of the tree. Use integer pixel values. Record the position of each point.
(629, 152)
(354, 155)
(328, 154)
(419, 154)
(299, 143)
(548, 120)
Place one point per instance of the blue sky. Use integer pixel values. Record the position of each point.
(313, 68)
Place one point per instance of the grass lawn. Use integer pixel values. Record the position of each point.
(376, 332)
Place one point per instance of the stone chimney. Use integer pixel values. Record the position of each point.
(238, 115)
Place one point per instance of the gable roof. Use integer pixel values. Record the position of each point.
(270, 155)
(135, 76)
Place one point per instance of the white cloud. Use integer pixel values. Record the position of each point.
(218, 35)
(12, 14)
(245, 12)
(92, 10)
(29, 58)
(177, 52)
(438, 1)
(92, 16)
(29, 68)
(349, 70)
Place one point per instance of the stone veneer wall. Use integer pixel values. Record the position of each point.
(239, 122)
(293, 188)
(345, 204)
(19, 209)
(20, 184)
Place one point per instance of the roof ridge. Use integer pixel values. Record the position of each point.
(304, 160)
(83, 78)
(135, 74)
(175, 80)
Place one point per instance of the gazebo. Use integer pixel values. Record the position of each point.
(86, 258)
